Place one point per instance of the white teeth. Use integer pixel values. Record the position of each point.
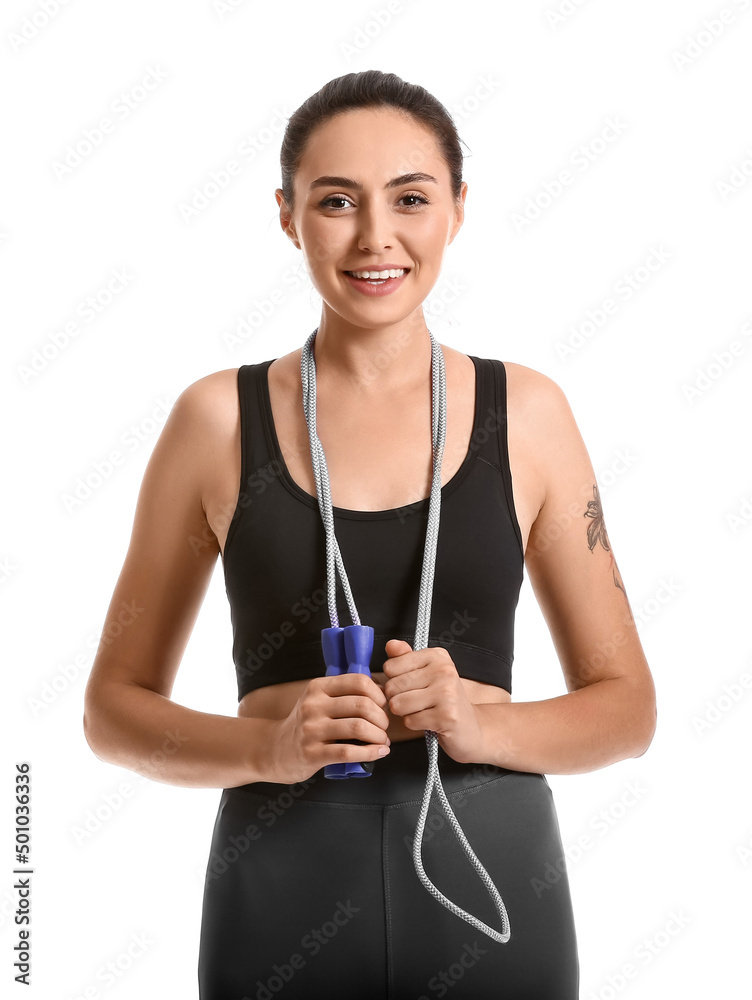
(380, 275)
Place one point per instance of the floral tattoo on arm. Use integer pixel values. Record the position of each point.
(596, 532)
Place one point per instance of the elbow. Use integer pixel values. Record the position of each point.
(644, 745)
(92, 725)
(646, 730)
(90, 731)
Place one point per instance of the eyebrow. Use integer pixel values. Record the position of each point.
(416, 177)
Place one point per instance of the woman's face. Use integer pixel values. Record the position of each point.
(356, 208)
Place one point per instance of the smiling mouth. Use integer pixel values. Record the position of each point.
(378, 277)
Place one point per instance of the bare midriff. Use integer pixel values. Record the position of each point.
(276, 701)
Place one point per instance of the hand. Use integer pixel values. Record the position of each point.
(341, 707)
(425, 689)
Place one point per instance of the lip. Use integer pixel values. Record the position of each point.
(379, 267)
(386, 287)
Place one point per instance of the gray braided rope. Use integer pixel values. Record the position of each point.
(334, 557)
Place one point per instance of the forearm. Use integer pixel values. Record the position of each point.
(584, 730)
(136, 728)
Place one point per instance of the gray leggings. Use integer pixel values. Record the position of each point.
(311, 890)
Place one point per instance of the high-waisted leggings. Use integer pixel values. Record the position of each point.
(311, 889)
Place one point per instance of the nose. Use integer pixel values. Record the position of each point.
(373, 233)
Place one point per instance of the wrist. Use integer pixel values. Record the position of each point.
(491, 723)
(259, 739)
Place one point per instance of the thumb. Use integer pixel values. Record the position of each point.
(398, 647)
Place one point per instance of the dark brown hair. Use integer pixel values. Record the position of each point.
(368, 89)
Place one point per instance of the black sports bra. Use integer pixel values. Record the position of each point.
(275, 554)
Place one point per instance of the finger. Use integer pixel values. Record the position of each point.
(355, 684)
(399, 646)
(410, 702)
(352, 730)
(358, 707)
(406, 659)
(412, 680)
(340, 753)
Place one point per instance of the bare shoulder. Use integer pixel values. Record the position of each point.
(542, 438)
(212, 400)
(208, 411)
(531, 392)
(539, 410)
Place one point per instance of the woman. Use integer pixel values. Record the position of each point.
(311, 888)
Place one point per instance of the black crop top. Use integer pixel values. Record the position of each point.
(275, 554)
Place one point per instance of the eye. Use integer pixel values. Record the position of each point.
(326, 203)
(418, 197)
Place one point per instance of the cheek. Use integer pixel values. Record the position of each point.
(323, 247)
(429, 243)
(440, 234)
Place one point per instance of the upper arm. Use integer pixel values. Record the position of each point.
(165, 575)
(569, 557)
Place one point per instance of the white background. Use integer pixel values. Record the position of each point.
(526, 92)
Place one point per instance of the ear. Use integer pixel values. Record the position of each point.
(285, 218)
(459, 214)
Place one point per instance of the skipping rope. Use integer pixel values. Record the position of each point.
(350, 647)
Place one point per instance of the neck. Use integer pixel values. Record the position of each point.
(381, 360)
